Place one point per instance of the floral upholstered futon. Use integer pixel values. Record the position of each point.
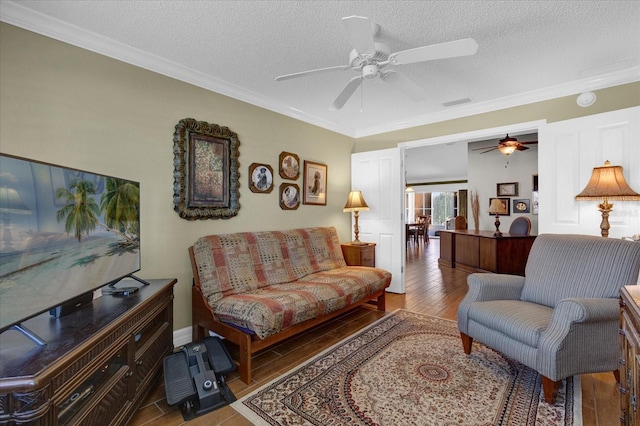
(267, 281)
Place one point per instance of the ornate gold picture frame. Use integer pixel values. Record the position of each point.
(205, 177)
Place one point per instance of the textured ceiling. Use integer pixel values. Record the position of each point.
(528, 50)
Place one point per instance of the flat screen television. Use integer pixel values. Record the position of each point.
(64, 233)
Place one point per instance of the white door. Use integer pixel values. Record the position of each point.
(567, 153)
(378, 175)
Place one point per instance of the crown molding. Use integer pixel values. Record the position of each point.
(20, 16)
(28, 19)
(576, 87)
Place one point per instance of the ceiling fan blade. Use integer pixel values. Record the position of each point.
(360, 32)
(450, 49)
(486, 147)
(529, 142)
(404, 85)
(521, 147)
(346, 93)
(489, 150)
(305, 73)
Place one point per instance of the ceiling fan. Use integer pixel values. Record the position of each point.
(369, 58)
(507, 146)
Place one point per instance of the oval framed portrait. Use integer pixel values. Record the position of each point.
(289, 165)
(289, 196)
(260, 178)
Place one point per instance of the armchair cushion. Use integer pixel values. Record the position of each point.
(522, 321)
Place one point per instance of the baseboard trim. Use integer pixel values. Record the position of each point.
(181, 337)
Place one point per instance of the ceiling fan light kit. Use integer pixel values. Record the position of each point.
(369, 57)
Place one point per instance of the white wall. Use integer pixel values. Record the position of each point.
(569, 150)
(489, 169)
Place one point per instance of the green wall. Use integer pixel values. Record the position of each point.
(72, 107)
(559, 109)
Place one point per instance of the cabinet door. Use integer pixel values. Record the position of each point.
(152, 343)
(629, 373)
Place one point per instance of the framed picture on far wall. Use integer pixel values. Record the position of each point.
(506, 207)
(507, 189)
(521, 206)
(315, 183)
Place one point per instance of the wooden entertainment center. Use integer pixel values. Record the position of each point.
(99, 362)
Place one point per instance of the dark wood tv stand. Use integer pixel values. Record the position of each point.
(98, 364)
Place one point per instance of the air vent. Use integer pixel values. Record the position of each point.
(456, 102)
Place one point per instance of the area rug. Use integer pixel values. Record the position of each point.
(409, 369)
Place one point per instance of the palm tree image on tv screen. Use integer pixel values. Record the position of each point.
(65, 232)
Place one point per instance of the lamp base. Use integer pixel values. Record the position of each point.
(497, 224)
(605, 208)
(358, 243)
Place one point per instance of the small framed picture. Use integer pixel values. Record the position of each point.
(507, 189)
(506, 208)
(289, 196)
(260, 178)
(315, 183)
(535, 183)
(521, 206)
(289, 165)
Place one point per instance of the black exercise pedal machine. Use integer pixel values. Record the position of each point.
(194, 377)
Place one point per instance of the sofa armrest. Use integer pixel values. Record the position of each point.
(484, 287)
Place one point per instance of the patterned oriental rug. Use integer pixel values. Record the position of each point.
(410, 369)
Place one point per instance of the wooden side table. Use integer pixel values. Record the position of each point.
(359, 255)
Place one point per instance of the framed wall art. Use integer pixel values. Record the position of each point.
(289, 196)
(521, 206)
(289, 165)
(507, 189)
(205, 177)
(260, 178)
(506, 211)
(315, 183)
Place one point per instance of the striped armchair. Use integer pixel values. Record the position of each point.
(562, 317)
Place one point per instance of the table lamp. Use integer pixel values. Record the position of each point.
(496, 207)
(607, 183)
(355, 203)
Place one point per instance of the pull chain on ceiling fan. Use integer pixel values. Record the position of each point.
(369, 58)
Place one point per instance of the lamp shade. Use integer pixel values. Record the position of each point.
(496, 207)
(608, 182)
(355, 202)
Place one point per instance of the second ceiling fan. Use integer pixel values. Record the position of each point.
(507, 146)
(370, 58)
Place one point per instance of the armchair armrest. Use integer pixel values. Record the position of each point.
(485, 287)
(580, 325)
